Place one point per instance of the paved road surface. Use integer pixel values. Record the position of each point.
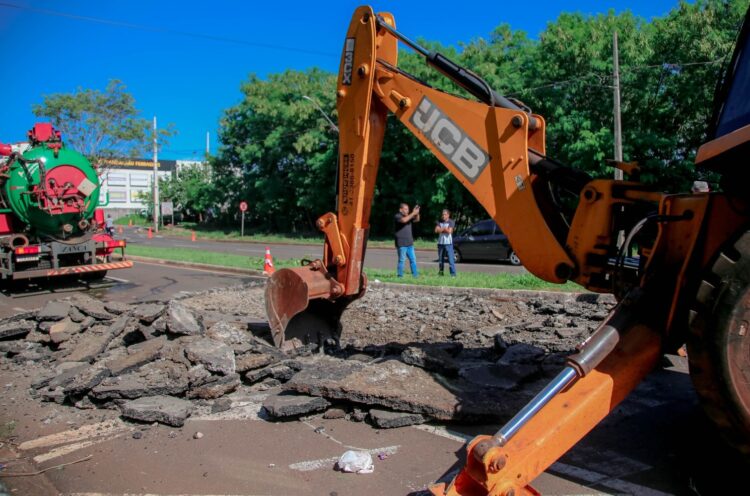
(656, 443)
(379, 258)
(143, 282)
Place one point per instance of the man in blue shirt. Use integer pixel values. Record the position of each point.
(405, 239)
(444, 230)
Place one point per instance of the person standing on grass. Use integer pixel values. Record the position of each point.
(444, 230)
(405, 238)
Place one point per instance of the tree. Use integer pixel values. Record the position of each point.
(668, 70)
(278, 153)
(689, 49)
(101, 125)
(191, 191)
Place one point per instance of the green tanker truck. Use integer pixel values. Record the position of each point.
(50, 221)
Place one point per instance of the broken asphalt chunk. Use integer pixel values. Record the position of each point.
(163, 409)
(293, 405)
(148, 312)
(393, 384)
(386, 419)
(214, 386)
(91, 307)
(156, 378)
(16, 328)
(252, 361)
(63, 330)
(90, 344)
(142, 354)
(212, 354)
(54, 310)
(181, 321)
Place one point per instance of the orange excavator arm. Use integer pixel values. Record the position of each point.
(496, 148)
(489, 148)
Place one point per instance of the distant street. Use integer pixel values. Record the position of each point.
(151, 281)
(143, 282)
(377, 258)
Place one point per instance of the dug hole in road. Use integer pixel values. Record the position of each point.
(187, 396)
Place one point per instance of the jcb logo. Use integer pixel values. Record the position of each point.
(346, 78)
(450, 139)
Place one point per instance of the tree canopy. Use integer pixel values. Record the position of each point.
(279, 154)
(101, 124)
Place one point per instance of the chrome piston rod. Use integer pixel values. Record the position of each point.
(592, 352)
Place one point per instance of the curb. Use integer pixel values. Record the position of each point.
(263, 243)
(555, 296)
(194, 265)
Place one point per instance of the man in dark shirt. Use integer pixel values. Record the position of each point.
(405, 239)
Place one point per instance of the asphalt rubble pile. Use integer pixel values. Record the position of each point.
(406, 355)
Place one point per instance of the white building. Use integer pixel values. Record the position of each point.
(127, 183)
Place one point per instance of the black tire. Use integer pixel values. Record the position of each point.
(94, 276)
(513, 258)
(457, 255)
(719, 344)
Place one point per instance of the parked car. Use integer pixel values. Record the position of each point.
(484, 241)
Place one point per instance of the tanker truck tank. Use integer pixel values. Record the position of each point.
(51, 188)
(50, 223)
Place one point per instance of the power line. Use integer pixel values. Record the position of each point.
(602, 78)
(565, 82)
(669, 65)
(155, 29)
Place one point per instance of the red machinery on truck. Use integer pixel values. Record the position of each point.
(50, 223)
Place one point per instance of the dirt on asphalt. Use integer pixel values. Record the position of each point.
(407, 355)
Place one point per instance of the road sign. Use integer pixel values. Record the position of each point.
(243, 208)
(167, 208)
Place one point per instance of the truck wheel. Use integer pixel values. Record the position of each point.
(719, 344)
(94, 276)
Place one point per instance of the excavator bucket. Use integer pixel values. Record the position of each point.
(302, 306)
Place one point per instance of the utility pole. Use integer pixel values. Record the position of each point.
(207, 145)
(618, 125)
(156, 183)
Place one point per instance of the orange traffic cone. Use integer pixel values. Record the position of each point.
(150, 233)
(268, 263)
(119, 229)
(130, 223)
(192, 237)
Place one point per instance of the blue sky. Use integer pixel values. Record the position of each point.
(190, 79)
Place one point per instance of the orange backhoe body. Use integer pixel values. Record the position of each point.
(498, 153)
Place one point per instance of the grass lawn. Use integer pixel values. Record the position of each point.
(206, 257)
(463, 280)
(136, 219)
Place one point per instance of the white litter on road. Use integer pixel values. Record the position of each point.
(327, 463)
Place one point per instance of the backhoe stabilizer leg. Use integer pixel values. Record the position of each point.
(609, 365)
